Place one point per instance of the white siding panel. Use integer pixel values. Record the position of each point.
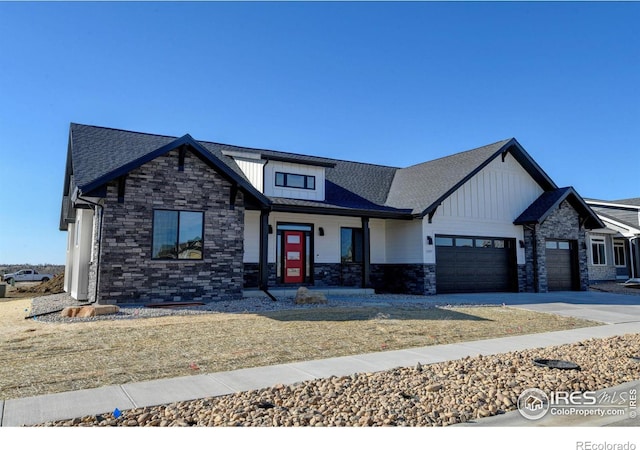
(253, 170)
(251, 236)
(501, 192)
(377, 229)
(270, 188)
(404, 241)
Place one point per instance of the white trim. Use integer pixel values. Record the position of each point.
(240, 154)
(617, 205)
(620, 243)
(622, 228)
(599, 239)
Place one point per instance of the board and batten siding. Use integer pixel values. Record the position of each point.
(254, 171)
(327, 247)
(271, 190)
(486, 205)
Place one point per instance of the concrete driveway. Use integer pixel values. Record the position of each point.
(598, 306)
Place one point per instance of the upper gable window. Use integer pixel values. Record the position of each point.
(292, 180)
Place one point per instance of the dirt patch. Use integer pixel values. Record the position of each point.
(32, 289)
(42, 358)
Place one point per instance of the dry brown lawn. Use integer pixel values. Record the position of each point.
(41, 358)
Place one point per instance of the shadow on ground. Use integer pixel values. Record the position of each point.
(346, 314)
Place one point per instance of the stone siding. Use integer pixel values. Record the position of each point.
(415, 279)
(522, 277)
(127, 272)
(561, 224)
(602, 273)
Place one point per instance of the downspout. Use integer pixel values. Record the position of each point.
(99, 238)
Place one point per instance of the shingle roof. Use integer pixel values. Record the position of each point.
(97, 151)
(542, 206)
(420, 186)
(625, 223)
(548, 201)
(628, 201)
(350, 186)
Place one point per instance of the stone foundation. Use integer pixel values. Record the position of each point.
(415, 279)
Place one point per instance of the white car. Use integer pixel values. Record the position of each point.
(26, 275)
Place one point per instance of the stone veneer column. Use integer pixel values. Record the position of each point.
(561, 224)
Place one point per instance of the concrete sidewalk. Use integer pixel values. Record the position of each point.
(67, 405)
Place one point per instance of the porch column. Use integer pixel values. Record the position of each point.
(366, 253)
(263, 260)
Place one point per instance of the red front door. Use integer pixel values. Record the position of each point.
(294, 256)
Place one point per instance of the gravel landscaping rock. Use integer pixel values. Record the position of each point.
(50, 306)
(426, 395)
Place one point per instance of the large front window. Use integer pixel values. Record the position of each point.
(598, 257)
(177, 234)
(351, 245)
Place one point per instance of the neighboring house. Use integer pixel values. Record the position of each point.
(614, 251)
(159, 218)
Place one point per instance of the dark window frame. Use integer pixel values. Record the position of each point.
(357, 251)
(177, 237)
(446, 240)
(309, 181)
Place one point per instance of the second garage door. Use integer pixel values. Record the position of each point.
(475, 264)
(560, 267)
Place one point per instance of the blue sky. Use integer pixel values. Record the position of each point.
(386, 83)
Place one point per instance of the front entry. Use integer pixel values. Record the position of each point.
(294, 253)
(293, 256)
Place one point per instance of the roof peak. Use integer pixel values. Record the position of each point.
(502, 143)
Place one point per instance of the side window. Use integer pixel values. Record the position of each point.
(177, 234)
(598, 256)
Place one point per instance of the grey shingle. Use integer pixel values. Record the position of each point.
(419, 187)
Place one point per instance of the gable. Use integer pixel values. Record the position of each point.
(498, 192)
(550, 201)
(101, 155)
(425, 186)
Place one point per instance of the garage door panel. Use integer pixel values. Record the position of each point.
(560, 271)
(474, 269)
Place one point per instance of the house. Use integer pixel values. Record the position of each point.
(160, 218)
(614, 251)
